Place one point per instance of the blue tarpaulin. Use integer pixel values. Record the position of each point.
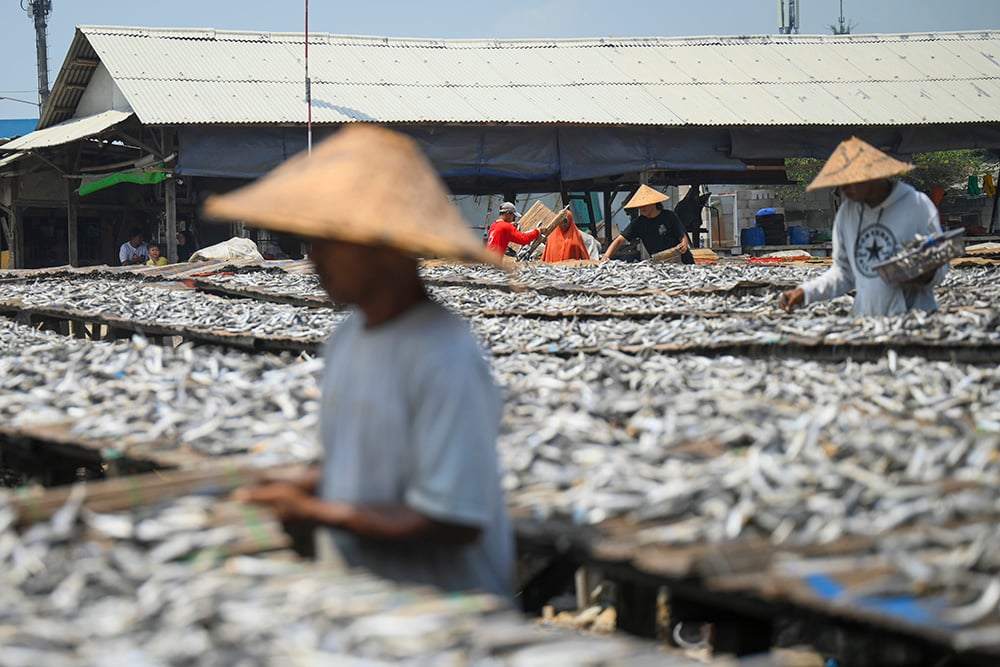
(16, 127)
(501, 152)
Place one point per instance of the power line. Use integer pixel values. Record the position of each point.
(14, 99)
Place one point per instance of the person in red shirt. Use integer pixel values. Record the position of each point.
(503, 231)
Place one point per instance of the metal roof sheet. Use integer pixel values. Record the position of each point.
(70, 130)
(192, 76)
(10, 159)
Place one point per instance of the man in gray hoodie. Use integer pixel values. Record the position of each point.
(880, 215)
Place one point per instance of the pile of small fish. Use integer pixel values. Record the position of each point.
(798, 452)
(271, 282)
(508, 335)
(684, 321)
(132, 393)
(155, 304)
(692, 449)
(150, 587)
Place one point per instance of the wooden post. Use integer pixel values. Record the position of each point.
(73, 206)
(170, 196)
(72, 228)
(12, 222)
(995, 215)
(7, 228)
(170, 192)
(609, 201)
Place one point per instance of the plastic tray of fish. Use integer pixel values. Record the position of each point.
(922, 255)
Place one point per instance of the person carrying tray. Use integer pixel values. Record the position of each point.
(409, 487)
(879, 216)
(659, 229)
(503, 232)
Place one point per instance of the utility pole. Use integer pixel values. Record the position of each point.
(38, 11)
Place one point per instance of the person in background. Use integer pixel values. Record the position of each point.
(879, 215)
(689, 209)
(658, 229)
(155, 258)
(409, 485)
(185, 245)
(565, 242)
(503, 232)
(133, 252)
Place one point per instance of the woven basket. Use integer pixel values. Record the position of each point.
(668, 256)
(921, 256)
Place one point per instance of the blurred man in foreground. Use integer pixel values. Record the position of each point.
(409, 487)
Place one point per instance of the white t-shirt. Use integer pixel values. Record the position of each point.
(128, 251)
(410, 414)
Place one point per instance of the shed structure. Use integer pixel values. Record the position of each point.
(209, 109)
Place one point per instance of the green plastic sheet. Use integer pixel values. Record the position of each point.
(91, 184)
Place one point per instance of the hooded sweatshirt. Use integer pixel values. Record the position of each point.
(866, 236)
(562, 245)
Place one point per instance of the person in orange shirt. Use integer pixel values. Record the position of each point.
(503, 231)
(565, 242)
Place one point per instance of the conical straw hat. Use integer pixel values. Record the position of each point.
(644, 196)
(365, 185)
(855, 161)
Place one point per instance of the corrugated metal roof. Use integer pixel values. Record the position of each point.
(70, 130)
(192, 76)
(13, 157)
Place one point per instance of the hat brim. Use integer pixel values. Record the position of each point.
(855, 161)
(645, 196)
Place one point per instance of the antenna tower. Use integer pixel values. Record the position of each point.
(38, 11)
(788, 16)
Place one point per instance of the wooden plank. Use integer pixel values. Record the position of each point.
(138, 490)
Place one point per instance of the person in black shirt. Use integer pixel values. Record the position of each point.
(658, 229)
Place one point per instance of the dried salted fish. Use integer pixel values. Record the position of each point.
(151, 602)
(799, 451)
(154, 304)
(130, 393)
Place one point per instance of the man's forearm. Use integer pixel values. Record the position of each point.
(613, 247)
(389, 522)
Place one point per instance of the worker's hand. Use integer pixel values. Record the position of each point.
(788, 300)
(288, 501)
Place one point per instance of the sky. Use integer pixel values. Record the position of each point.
(505, 19)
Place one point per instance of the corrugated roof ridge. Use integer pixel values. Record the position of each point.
(428, 42)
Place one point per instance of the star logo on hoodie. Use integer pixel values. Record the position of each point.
(875, 245)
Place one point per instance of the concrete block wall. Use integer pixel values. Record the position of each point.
(815, 211)
(749, 201)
